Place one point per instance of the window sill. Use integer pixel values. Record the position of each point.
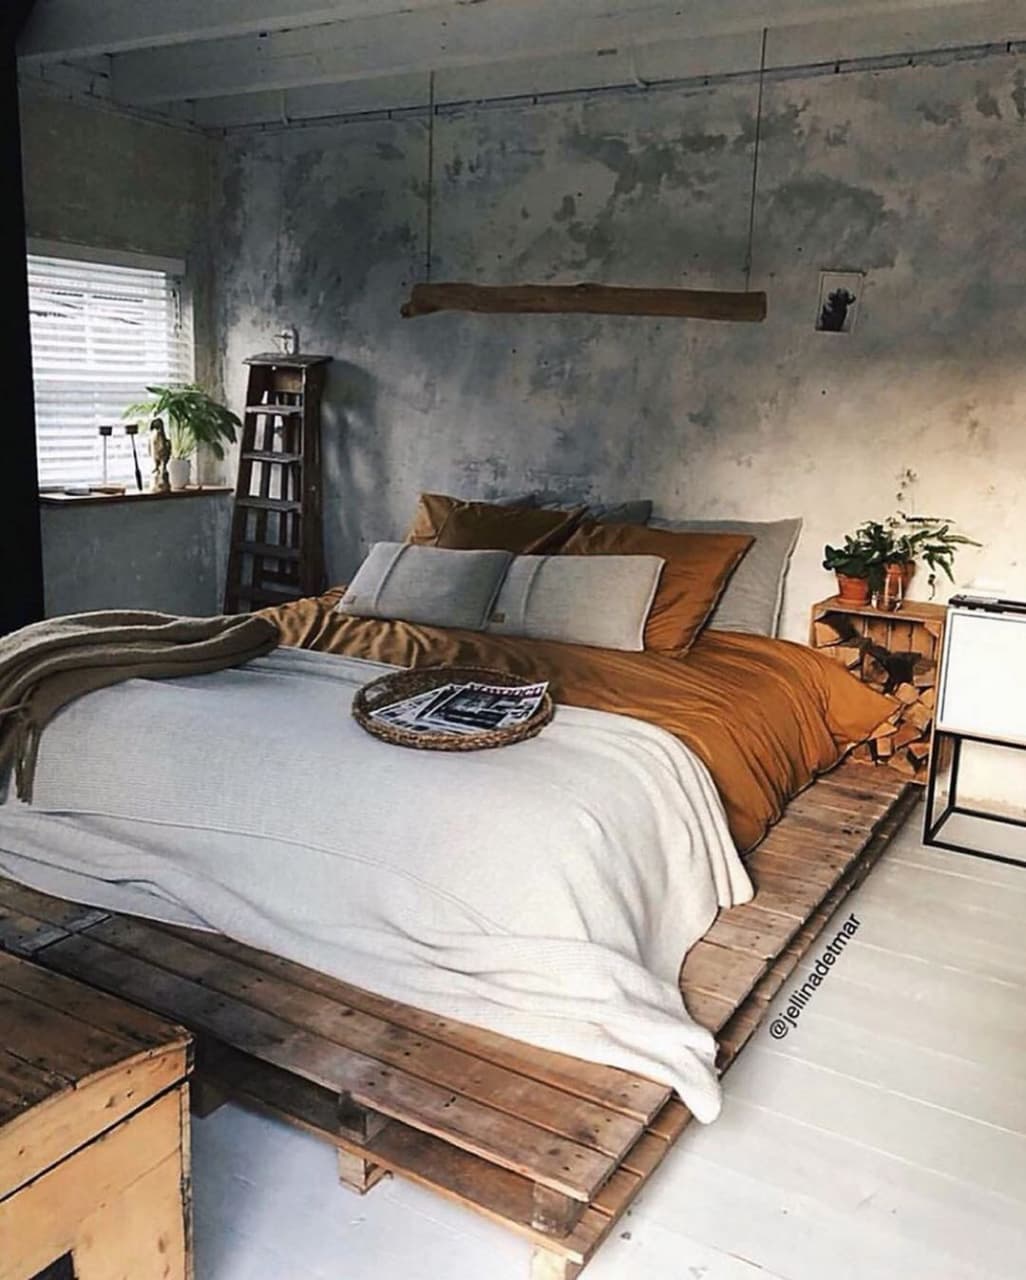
(130, 495)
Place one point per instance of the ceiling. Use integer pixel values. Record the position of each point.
(225, 63)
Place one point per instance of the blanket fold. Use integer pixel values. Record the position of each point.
(48, 664)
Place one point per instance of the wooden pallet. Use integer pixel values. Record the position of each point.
(553, 1147)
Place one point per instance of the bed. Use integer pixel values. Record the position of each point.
(551, 1133)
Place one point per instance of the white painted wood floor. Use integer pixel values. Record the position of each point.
(885, 1136)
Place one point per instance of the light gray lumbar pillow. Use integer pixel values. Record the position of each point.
(431, 585)
(752, 598)
(596, 600)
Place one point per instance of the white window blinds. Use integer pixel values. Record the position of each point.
(100, 335)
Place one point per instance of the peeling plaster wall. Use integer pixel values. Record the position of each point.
(913, 176)
(168, 557)
(99, 178)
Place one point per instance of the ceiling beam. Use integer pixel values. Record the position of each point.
(458, 35)
(60, 30)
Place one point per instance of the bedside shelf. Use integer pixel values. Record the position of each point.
(897, 653)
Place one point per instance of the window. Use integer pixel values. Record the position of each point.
(101, 333)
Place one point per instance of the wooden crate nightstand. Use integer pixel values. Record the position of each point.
(896, 653)
(94, 1133)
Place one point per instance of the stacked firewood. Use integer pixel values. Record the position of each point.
(903, 741)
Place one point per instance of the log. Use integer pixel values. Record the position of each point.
(902, 764)
(832, 630)
(907, 693)
(920, 716)
(924, 673)
(848, 655)
(906, 734)
(592, 299)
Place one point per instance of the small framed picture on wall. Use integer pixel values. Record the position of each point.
(839, 295)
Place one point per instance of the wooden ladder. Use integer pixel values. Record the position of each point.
(277, 548)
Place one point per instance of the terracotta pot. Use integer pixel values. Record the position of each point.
(852, 590)
(178, 472)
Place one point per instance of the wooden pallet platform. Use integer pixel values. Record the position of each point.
(554, 1148)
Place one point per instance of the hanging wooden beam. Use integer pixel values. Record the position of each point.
(593, 299)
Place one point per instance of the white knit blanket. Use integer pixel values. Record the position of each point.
(547, 890)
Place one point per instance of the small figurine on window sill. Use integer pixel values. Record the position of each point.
(160, 452)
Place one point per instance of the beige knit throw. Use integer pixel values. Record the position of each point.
(45, 666)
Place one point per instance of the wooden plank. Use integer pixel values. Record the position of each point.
(49, 1216)
(501, 1139)
(30, 920)
(23, 1085)
(719, 971)
(358, 1174)
(611, 1087)
(497, 1193)
(53, 1123)
(385, 1042)
(137, 1027)
(56, 1042)
(591, 299)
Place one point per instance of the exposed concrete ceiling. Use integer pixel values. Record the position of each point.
(237, 62)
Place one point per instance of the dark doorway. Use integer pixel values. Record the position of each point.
(21, 560)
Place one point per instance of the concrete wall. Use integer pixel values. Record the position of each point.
(913, 176)
(164, 555)
(100, 178)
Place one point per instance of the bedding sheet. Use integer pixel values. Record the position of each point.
(765, 716)
(547, 890)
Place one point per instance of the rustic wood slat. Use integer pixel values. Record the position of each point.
(134, 1026)
(575, 1119)
(57, 1042)
(23, 1084)
(68, 915)
(120, 1158)
(613, 1088)
(718, 971)
(505, 1140)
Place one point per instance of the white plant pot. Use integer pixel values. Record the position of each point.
(178, 470)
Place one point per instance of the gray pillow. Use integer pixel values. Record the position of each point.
(597, 600)
(752, 598)
(431, 585)
(636, 511)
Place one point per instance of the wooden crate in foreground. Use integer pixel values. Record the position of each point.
(552, 1147)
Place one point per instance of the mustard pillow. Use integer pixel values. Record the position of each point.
(697, 568)
(459, 525)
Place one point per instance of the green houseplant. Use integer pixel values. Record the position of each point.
(193, 418)
(882, 556)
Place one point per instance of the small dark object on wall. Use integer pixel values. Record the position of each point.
(833, 315)
(839, 293)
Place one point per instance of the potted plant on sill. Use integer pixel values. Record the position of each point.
(880, 558)
(194, 418)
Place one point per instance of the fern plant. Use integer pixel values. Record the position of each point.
(193, 418)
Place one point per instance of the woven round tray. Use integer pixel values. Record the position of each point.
(404, 684)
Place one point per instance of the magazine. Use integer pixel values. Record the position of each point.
(465, 708)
